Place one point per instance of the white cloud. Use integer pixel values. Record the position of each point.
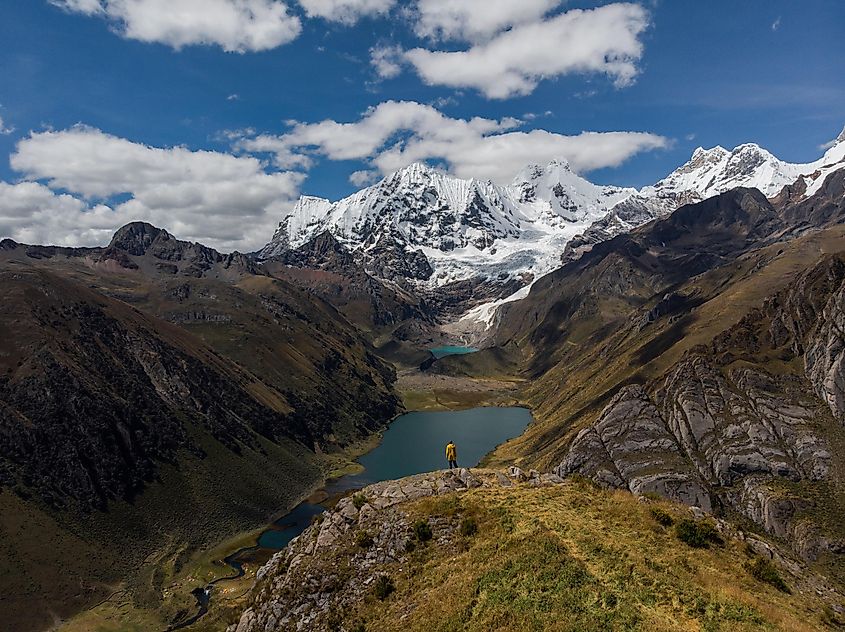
(396, 134)
(88, 7)
(605, 40)
(387, 61)
(229, 202)
(345, 11)
(4, 131)
(474, 20)
(776, 24)
(828, 145)
(233, 97)
(364, 177)
(31, 213)
(234, 25)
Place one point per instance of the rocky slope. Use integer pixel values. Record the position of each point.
(481, 550)
(156, 396)
(326, 268)
(698, 358)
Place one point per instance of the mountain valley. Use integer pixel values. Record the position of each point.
(681, 342)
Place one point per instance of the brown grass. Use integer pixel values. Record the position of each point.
(575, 558)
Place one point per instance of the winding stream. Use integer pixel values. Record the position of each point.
(413, 444)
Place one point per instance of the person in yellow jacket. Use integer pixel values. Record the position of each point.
(452, 454)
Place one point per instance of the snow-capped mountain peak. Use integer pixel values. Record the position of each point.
(423, 226)
(563, 193)
(713, 171)
(465, 228)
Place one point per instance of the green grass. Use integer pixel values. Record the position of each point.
(765, 571)
(699, 534)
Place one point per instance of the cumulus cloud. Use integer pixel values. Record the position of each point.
(230, 202)
(345, 11)
(397, 133)
(33, 214)
(474, 20)
(605, 40)
(364, 177)
(234, 25)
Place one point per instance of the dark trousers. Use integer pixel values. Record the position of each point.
(452, 464)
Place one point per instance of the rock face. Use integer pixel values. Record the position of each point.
(632, 447)
(720, 429)
(170, 255)
(326, 268)
(296, 590)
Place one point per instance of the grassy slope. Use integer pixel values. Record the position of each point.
(577, 558)
(592, 364)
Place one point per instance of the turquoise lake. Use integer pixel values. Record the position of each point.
(414, 443)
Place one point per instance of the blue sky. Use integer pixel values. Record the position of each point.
(708, 73)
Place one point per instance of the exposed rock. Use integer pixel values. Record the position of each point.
(516, 473)
(630, 446)
(302, 585)
(713, 431)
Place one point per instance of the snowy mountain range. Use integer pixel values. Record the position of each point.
(477, 230)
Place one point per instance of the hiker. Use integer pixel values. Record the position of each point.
(452, 454)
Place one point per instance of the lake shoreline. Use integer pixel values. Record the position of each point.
(387, 461)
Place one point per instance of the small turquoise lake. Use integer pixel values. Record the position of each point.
(440, 352)
(414, 443)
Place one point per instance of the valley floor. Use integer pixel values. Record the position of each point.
(430, 391)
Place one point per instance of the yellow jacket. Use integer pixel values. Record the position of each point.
(451, 452)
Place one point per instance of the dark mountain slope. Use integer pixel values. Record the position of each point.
(289, 339)
(326, 268)
(155, 397)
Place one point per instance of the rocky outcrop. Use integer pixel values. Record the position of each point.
(631, 446)
(719, 428)
(392, 259)
(139, 240)
(324, 571)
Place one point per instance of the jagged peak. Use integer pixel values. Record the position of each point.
(136, 237)
(313, 199)
(718, 150)
(535, 171)
(558, 163)
(841, 137)
(417, 169)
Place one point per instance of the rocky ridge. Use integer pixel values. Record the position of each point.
(328, 573)
(721, 428)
